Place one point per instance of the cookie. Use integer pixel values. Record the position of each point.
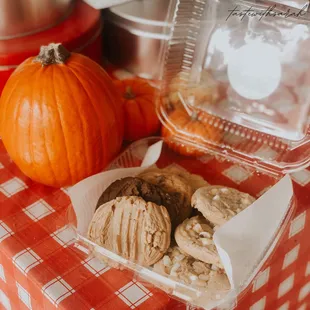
(194, 180)
(172, 183)
(190, 271)
(218, 204)
(195, 237)
(132, 228)
(131, 186)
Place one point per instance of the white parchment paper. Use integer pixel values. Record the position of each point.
(242, 242)
(85, 194)
(103, 4)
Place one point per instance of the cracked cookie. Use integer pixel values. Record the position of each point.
(132, 228)
(194, 180)
(218, 204)
(172, 183)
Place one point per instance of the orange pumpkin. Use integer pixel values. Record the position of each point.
(139, 106)
(61, 118)
(190, 128)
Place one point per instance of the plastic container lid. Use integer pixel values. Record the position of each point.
(239, 88)
(299, 4)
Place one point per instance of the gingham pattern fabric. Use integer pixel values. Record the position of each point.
(41, 267)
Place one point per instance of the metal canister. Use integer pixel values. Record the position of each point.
(135, 35)
(24, 17)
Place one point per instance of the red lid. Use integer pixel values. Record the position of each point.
(74, 33)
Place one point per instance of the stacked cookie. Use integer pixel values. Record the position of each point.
(150, 220)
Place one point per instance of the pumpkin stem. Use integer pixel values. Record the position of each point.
(129, 94)
(54, 53)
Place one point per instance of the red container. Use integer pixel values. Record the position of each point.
(80, 32)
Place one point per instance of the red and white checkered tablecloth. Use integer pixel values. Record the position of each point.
(41, 267)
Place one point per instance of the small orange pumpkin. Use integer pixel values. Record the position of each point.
(187, 127)
(139, 106)
(61, 118)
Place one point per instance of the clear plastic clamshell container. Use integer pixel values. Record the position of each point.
(240, 85)
(214, 170)
(235, 97)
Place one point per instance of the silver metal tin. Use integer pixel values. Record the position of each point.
(135, 35)
(23, 17)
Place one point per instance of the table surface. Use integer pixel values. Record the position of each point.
(41, 267)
